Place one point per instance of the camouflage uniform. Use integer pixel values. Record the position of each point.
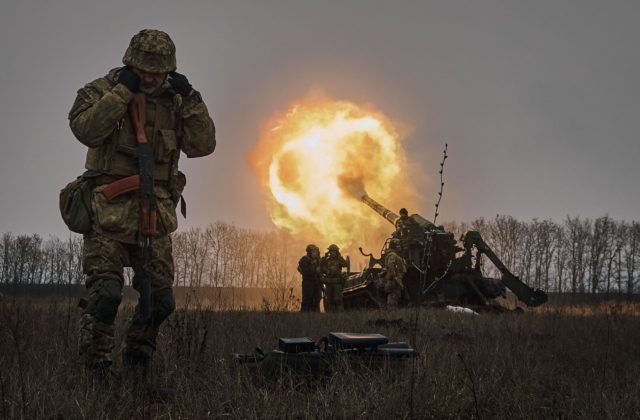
(396, 269)
(406, 227)
(331, 267)
(309, 267)
(410, 234)
(175, 122)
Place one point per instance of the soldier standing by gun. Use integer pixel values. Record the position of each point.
(409, 233)
(331, 267)
(135, 121)
(309, 267)
(395, 270)
(405, 225)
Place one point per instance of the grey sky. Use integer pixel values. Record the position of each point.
(538, 100)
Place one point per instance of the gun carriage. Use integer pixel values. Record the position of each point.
(439, 270)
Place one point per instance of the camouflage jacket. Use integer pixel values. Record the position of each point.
(331, 267)
(309, 268)
(99, 120)
(395, 265)
(407, 228)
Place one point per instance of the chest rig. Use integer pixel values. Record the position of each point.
(334, 268)
(163, 128)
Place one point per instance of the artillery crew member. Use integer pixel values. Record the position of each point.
(331, 267)
(309, 267)
(410, 235)
(405, 225)
(175, 120)
(395, 270)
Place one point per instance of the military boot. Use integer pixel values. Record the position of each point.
(136, 371)
(156, 394)
(101, 377)
(136, 368)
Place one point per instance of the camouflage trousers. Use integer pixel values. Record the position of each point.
(393, 288)
(311, 295)
(103, 261)
(333, 295)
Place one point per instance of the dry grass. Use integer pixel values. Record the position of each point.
(607, 308)
(534, 365)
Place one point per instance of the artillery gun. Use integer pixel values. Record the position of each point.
(439, 271)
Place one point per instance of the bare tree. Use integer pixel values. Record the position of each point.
(544, 249)
(614, 254)
(631, 257)
(597, 246)
(580, 255)
(560, 261)
(577, 235)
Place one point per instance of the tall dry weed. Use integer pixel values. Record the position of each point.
(531, 365)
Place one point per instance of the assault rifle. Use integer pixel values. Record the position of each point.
(144, 184)
(147, 198)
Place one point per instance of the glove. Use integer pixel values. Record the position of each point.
(128, 78)
(180, 83)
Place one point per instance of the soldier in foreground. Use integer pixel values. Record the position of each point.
(395, 271)
(309, 267)
(175, 119)
(331, 267)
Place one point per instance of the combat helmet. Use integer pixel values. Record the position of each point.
(403, 212)
(152, 51)
(333, 247)
(310, 248)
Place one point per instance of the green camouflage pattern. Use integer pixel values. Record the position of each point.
(152, 51)
(119, 218)
(95, 340)
(99, 120)
(331, 267)
(75, 204)
(396, 269)
(395, 265)
(104, 257)
(333, 297)
(141, 335)
(403, 224)
(103, 262)
(174, 125)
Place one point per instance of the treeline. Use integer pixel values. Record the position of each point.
(223, 255)
(578, 255)
(220, 255)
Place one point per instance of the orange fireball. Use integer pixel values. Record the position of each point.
(317, 159)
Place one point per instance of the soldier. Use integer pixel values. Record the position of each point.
(409, 234)
(177, 121)
(403, 222)
(395, 271)
(309, 267)
(331, 268)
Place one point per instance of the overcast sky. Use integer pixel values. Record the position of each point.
(539, 101)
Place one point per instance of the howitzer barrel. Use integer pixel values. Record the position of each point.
(380, 209)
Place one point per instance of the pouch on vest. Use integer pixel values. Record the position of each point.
(75, 204)
(166, 145)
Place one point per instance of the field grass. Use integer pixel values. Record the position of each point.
(547, 364)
